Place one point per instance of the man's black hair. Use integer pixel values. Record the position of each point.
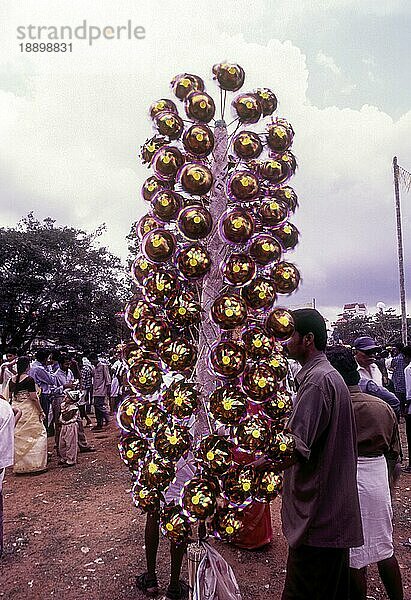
(42, 354)
(343, 361)
(11, 350)
(309, 320)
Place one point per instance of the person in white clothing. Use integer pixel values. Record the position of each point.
(8, 419)
(365, 350)
(407, 416)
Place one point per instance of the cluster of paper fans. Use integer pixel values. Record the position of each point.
(250, 403)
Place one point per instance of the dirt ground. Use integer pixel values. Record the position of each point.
(74, 534)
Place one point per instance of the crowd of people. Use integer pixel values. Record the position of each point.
(336, 506)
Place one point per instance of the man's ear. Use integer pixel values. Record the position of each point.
(309, 339)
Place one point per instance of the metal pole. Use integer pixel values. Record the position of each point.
(400, 252)
(213, 281)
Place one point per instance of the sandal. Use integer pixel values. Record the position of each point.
(178, 594)
(147, 584)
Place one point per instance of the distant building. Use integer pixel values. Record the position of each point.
(358, 309)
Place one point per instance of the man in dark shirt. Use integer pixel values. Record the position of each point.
(320, 508)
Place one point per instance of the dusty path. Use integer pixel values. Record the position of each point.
(74, 534)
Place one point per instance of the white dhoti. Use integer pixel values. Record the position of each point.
(376, 513)
(68, 443)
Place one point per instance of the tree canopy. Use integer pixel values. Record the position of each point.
(58, 285)
(384, 327)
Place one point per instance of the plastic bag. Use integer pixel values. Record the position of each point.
(215, 578)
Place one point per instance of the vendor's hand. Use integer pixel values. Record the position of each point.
(262, 464)
(42, 416)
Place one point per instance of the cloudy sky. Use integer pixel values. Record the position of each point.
(71, 124)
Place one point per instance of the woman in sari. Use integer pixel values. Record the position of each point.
(30, 436)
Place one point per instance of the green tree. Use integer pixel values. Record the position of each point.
(384, 327)
(58, 285)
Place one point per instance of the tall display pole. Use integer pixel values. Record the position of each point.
(213, 281)
(400, 253)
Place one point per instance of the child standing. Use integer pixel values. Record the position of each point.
(68, 443)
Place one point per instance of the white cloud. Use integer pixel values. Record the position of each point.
(327, 62)
(70, 136)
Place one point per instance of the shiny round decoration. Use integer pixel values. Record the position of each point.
(200, 106)
(278, 406)
(157, 472)
(259, 294)
(282, 447)
(169, 124)
(180, 400)
(166, 205)
(174, 524)
(131, 354)
(141, 268)
(237, 226)
(147, 499)
(244, 185)
(193, 262)
(226, 524)
(265, 249)
(247, 145)
(149, 418)
(150, 187)
(145, 377)
(280, 135)
(228, 358)
(160, 286)
(195, 178)
(287, 234)
(199, 498)
(183, 309)
(146, 224)
(198, 140)
(273, 212)
(150, 332)
(172, 441)
(166, 162)
(215, 454)
(279, 364)
(229, 311)
(163, 105)
(257, 343)
(135, 309)
(159, 245)
(239, 486)
(195, 222)
(185, 83)
(133, 449)
(259, 381)
(275, 169)
(228, 404)
(150, 147)
(126, 412)
(268, 100)
(286, 277)
(286, 194)
(269, 485)
(238, 269)
(280, 324)
(230, 76)
(252, 434)
(179, 355)
(248, 108)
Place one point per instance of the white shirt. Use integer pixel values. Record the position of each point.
(372, 373)
(6, 438)
(407, 375)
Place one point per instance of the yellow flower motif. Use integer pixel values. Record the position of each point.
(199, 136)
(229, 529)
(287, 229)
(274, 205)
(179, 400)
(156, 242)
(287, 194)
(262, 295)
(174, 357)
(197, 220)
(193, 262)
(249, 104)
(182, 310)
(142, 379)
(257, 343)
(149, 336)
(229, 312)
(236, 269)
(129, 454)
(165, 201)
(149, 421)
(284, 320)
(286, 275)
(151, 187)
(203, 104)
(160, 286)
(226, 360)
(185, 82)
(195, 500)
(210, 455)
(280, 404)
(166, 159)
(142, 494)
(270, 487)
(130, 411)
(228, 404)
(196, 175)
(173, 440)
(262, 382)
(169, 527)
(256, 434)
(283, 447)
(246, 486)
(152, 468)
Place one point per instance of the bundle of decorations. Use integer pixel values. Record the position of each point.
(206, 369)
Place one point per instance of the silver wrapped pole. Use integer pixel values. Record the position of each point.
(213, 281)
(195, 554)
